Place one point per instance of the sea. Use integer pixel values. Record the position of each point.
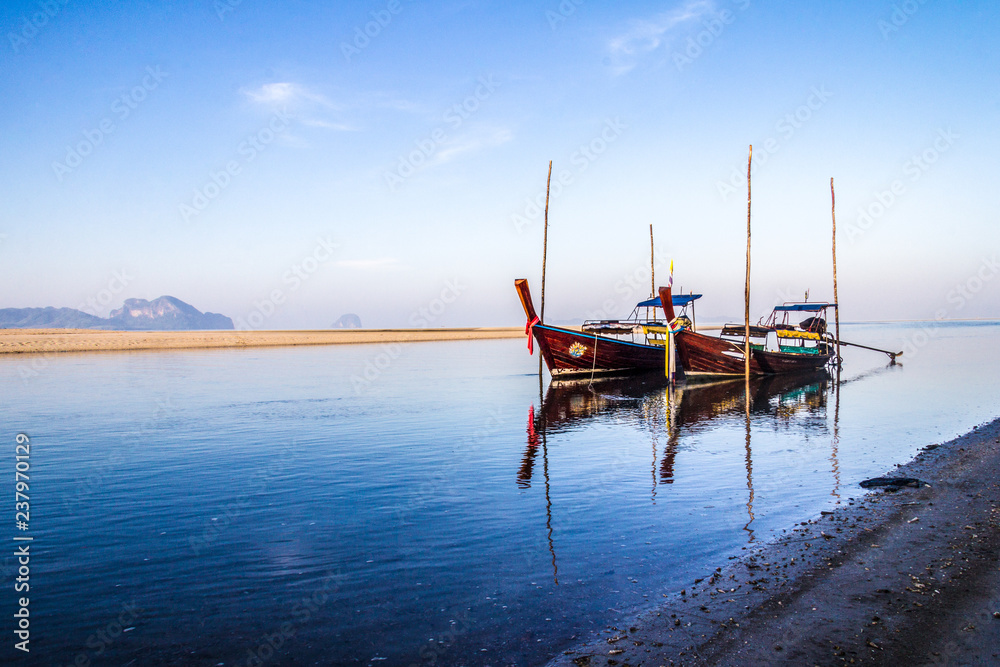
(425, 503)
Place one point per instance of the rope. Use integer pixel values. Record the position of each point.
(593, 368)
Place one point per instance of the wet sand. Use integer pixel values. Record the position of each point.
(34, 341)
(905, 577)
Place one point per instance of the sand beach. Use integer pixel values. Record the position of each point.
(45, 341)
(892, 578)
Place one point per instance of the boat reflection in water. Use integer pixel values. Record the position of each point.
(786, 401)
(672, 412)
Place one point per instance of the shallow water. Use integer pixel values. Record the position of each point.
(425, 503)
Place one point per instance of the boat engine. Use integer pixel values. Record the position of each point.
(814, 324)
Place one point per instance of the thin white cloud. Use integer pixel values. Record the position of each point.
(468, 143)
(288, 93)
(310, 108)
(342, 127)
(369, 264)
(647, 35)
(272, 93)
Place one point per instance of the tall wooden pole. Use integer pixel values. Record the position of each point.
(652, 264)
(836, 300)
(746, 293)
(545, 251)
(545, 238)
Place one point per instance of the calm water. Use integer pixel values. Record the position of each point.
(421, 504)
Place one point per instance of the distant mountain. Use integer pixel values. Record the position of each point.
(49, 318)
(163, 314)
(166, 314)
(348, 321)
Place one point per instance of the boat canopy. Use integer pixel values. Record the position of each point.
(678, 299)
(804, 307)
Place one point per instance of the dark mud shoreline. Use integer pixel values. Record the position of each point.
(906, 577)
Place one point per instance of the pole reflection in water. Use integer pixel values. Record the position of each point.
(537, 434)
(674, 397)
(835, 443)
(749, 455)
(528, 461)
(787, 401)
(548, 503)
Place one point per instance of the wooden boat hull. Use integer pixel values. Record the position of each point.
(788, 362)
(569, 353)
(708, 356)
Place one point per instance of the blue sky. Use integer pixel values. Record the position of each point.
(285, 164)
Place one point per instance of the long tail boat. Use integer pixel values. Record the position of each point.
(806, 347)
(570, 353)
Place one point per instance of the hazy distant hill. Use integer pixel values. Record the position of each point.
(166, 313)
(163, 314)
(49, 318)
(348, 321)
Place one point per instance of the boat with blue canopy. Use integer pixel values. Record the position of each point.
(632, 345)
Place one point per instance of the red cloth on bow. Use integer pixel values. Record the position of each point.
(527, 330)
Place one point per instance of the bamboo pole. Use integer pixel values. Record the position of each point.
(545, 238)
(545, 251)
(746, 292)
(652, 264)
(836, 300)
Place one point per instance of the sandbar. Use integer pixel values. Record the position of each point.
(45, 341)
